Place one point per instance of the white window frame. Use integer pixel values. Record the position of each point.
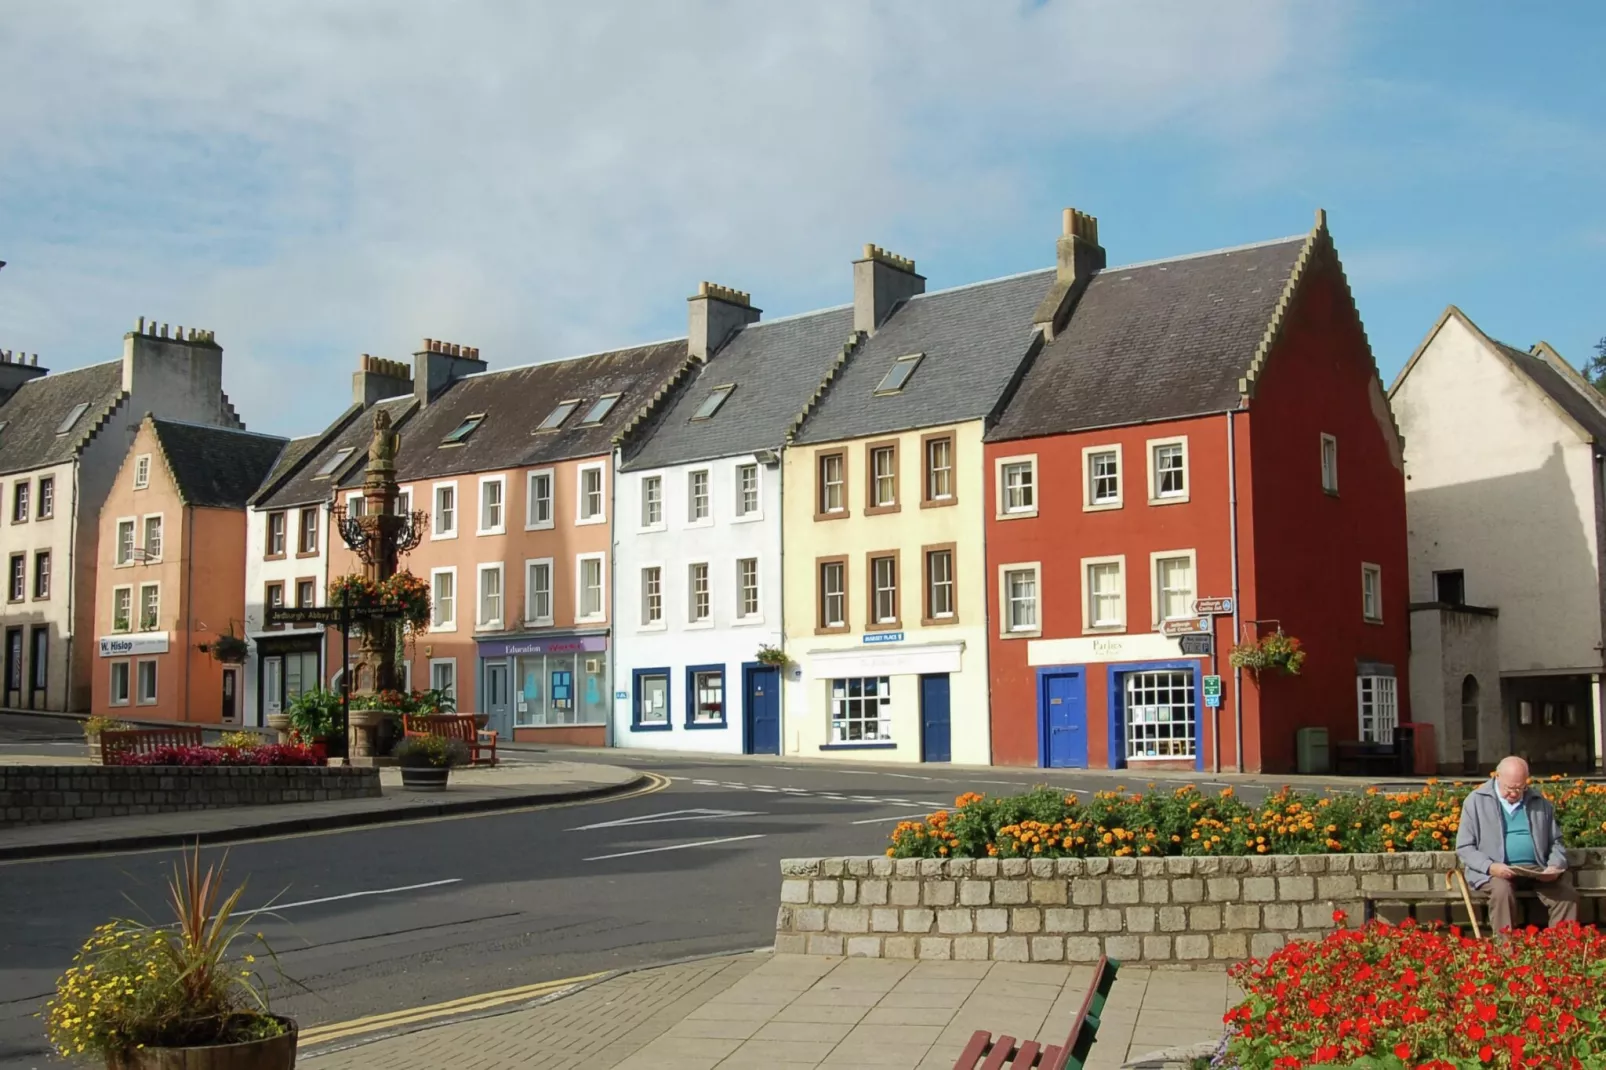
(835, 704)
(140, 608)
(647, 622)
(580, 616)
(404, 500)
(876, 477)
(118, 560)
(1385, 700)
(140, 698)
(500, 527)
(301, 528)
(127, 674)
(283, 516)
(693, 521)
(451, 666)
(929, 607)
(128, 589)
(876, 620)
(161, 536)
(142, 471)
(531, 498)
(744, 515)
(757, 616)
(1088, 624)
(41, 574)
(531, 617)
(1007, 628)
(693, 621)
(1152, 447)
(436, 529)
(601, 515)
(1372, 614)
(438, 624)
(44, 505)
(1088, 453)
(482, 622)
(356, 505)
(642, 520)
(1001, 504)
(825, 596)
(1156, 605)
(1329, 463)
(823, 486)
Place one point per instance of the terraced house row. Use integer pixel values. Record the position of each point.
(969, 518)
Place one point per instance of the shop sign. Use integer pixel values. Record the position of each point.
(573, 644)
(118, 646)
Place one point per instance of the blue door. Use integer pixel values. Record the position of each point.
(936, 726)
(1064, 718)
(762, 709)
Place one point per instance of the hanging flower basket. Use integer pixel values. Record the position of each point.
(403, 591)
(1275, 650)
(773, 655)
(230, 649)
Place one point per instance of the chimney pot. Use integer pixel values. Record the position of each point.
(34, 363)
(139, 328)
(1078, 255)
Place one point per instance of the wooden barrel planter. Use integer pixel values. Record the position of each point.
(274, 1053)
(425, 777)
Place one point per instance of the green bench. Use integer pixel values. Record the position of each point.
(985, 1053)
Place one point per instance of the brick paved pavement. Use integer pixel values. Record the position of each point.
(793, 1011)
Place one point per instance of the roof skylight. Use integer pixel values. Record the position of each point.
(72, 417)
(555, 418)
(713, 401)
(461, 432)
(329, 466)
(899, 373)
(600, 410)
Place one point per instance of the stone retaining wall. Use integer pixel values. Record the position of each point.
(35, 794)
(1155, 910)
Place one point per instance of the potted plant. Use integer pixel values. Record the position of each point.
(312, 719)
(1275, 650)
(773, 655)
(230, 649)
(93, 727)
(147, 997)
(426, 761)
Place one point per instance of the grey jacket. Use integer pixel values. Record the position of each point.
(1481, 839)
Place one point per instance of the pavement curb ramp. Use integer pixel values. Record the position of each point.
(321, 823)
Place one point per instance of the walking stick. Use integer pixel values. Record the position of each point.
(1454, 878)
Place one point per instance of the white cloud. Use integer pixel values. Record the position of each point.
(313, 180)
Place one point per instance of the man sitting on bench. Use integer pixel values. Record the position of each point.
(1508, 841)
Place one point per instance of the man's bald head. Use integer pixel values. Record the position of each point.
(1511, 778)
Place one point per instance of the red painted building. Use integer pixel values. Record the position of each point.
(1208, 427)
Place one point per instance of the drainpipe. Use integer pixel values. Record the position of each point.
(1232, 527)
(72, 599)
(189, 601)
(780, 675)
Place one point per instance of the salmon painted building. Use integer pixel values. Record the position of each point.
(170, 581)
(1205, 427)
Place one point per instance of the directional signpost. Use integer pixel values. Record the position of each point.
(1198, 646)
(1187, 626)
(340, 617)
(1212, 607)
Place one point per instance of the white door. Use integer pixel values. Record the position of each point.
(272, 686)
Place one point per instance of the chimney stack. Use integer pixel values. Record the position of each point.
(714, 314)
(16, 369)
(437, 364)
(1078, 256)
(882, 281)
(377, 378)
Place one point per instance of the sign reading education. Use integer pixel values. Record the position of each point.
(1212, 607)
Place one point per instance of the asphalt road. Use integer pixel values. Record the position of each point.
(384, 919)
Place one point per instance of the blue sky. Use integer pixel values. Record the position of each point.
(316, 181)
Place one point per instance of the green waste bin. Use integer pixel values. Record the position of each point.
(1310, 748)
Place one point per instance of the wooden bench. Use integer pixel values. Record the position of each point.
(985, 1053)
(1449, 897)
(481, 741)
(115, 744)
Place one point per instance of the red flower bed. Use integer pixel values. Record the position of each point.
(1424, 998)
(267, 754)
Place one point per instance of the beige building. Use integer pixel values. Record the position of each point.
(885, 599)
(1503, 456)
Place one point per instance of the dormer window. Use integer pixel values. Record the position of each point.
(556, 417)
(329, 466)
(460, 433)
(898, 374)
(600, 410)
(72, 417)
(713, 401)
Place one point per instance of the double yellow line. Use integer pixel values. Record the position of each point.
(323, 1034)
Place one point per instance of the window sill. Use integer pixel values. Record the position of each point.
(835, 630)
(305, 553)
(438, 536)
(938, 503)
(448, 627)
(858, 746)
(490, 627)
(1034, 633)
(1331, 492)
(1100, 507)
(652, 529)
(884, 626)
(881, 510)
(1104, 629)
(697, 725)
(537, 623)
(491, 531)
(1171, 499)
(590, 520)
(542, 526)
(273, 557)
(835, 514)
(1163, 758)
(651, 727)
(652, 629)
(747, 622)
(694, 525)
(747, 518)
(600, 618)
(1019, 514)
(1371, 620)
(938, 622)
(699, 625)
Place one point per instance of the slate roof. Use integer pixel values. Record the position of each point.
(216, 467)
(33, 413)
(1575, 397)
(294, 452)
(776, 367)
(1161, 340)
(516, 400)
(973, 339)
(353, 429)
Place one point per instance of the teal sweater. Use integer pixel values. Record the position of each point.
(1519, 838)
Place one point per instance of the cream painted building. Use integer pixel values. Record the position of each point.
(1503, 453)
(885, 598)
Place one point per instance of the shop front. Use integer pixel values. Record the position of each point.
(549, 688)
(286, 666)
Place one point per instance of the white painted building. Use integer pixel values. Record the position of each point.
(1504, 496)
(697, 531)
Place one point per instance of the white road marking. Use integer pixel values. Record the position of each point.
(923, 802)
(865, 798)
(274, 908)
(668, 815)
(881, 820)
(674, 847)
(766, 791)
(706, 783)
(908, 776)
